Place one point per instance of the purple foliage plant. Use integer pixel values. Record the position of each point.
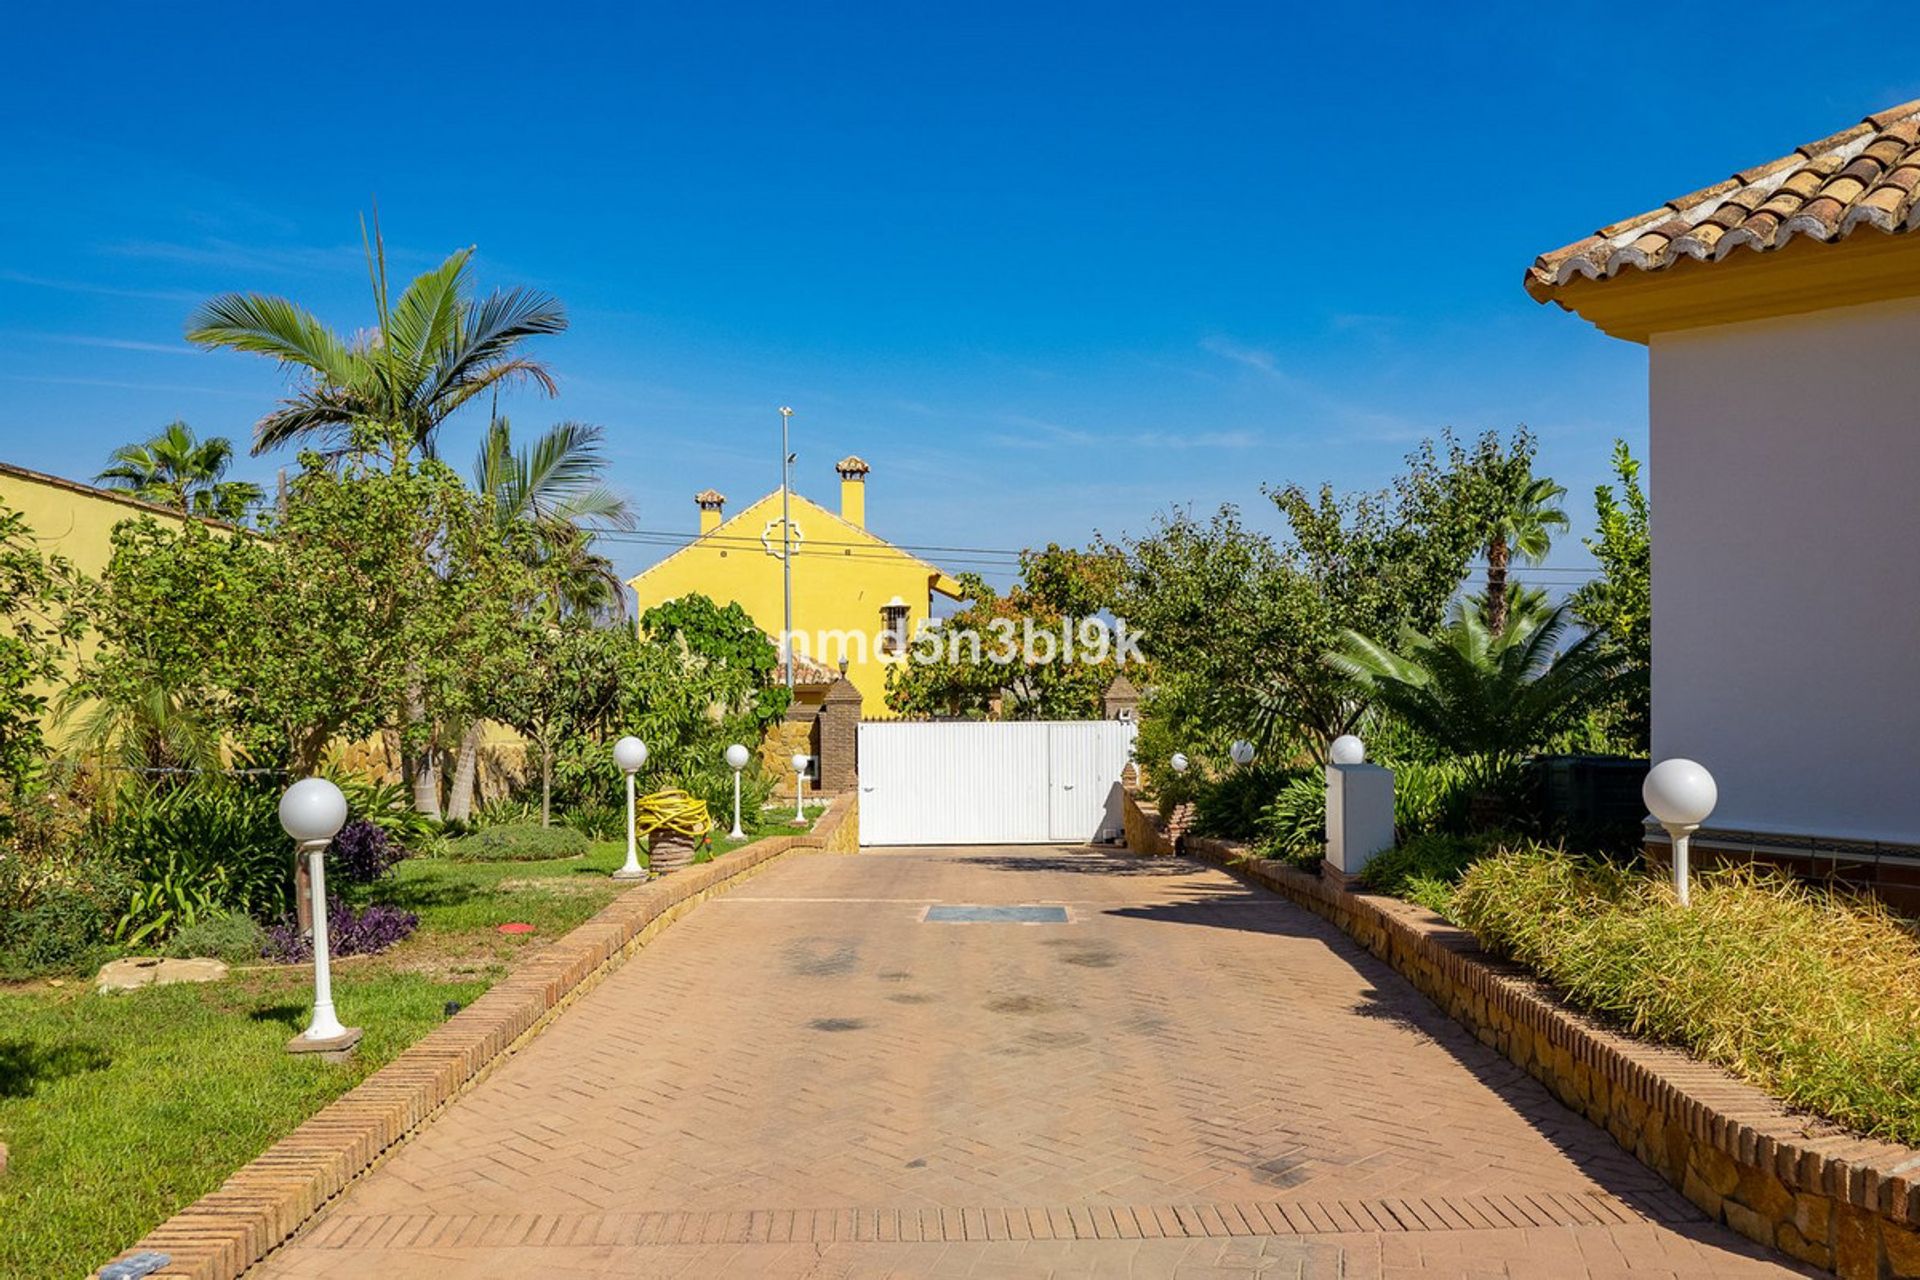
(349, 932)
(364, 852)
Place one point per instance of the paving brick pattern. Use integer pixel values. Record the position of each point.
(1190, 1077)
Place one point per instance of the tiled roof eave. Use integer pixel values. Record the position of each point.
(1867, 175)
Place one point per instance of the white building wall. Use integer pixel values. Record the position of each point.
(1785, 475)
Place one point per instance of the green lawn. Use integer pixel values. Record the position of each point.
(121, 1109)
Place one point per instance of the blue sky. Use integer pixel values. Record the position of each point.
(1049, 268)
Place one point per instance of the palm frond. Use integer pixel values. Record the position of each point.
(268, 325)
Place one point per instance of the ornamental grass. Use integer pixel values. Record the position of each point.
(1810, 994)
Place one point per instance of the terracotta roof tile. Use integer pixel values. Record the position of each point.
(1867, 174)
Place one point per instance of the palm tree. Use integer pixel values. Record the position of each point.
(547, 492)
(1485, 695)
(552, 489)
(173, 469)
(386, 391)
(143, 726)
(1523, 526)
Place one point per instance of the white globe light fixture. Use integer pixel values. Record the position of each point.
(1241, 751)
(312, 811)
(630, 753)
(1679, 794)
(1347, 749)
(799, 762)
(1177, 762)
(737, 757)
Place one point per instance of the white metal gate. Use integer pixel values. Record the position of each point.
(991, 782)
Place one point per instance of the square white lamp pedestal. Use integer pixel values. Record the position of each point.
(1359, 816)
(331, 1049)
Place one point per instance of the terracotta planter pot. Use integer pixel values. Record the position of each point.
(668, 851)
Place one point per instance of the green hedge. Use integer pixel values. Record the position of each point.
(1809, 994)
(519, 843)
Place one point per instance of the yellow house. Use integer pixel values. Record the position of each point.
(856, 597)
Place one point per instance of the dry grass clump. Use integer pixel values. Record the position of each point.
(1810, 994)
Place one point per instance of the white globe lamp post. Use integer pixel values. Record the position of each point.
(1177, 762)
(1679, 794)
(1347, 749)
(799, 763)
(1241, 751)
(312, 811)
(737, 757)
(630, 753)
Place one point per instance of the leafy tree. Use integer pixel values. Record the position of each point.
(173, 469)
(377, 595)
(385, 391)
(176, 606)
(547, 690)
(691, 679)
(1618, 604)
(726, 647)
(981, 658)
(1488, 696)
(42, 613)
(1237, 625)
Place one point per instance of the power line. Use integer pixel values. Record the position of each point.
(744, 539)
(676, 537)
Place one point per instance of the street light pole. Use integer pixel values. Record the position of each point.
(737, 757)
(312, 811)
(630, 754)
(786, 541)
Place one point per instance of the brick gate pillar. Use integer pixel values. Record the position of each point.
(839, 736)
(1121, 701)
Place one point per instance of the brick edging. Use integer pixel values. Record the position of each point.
(1823, 1196)
(268, 1200)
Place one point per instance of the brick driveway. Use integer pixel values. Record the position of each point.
(1190, 1077)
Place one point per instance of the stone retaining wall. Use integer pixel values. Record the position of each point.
(225, 1232)
(1785, 1180)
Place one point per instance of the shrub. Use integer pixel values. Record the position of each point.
(1805, 992)
(601, 821)
(349, 932)
(1231, 804)
(1432, 796)
(1294, 826)
(521, 844)
(212, 845)
(507, 811)
(59, 896)
(1425, 868)
(363, 852)
(233, 936)
(67, 926)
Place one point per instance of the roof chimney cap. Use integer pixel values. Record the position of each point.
(852, 467)
(710, 499)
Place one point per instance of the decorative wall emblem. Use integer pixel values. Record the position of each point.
(770, 538)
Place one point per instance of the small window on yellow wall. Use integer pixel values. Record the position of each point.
(893, 626)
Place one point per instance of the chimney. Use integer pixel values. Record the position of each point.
(853, 490)
(710, 500)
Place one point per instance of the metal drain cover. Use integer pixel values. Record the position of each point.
(952, 914)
